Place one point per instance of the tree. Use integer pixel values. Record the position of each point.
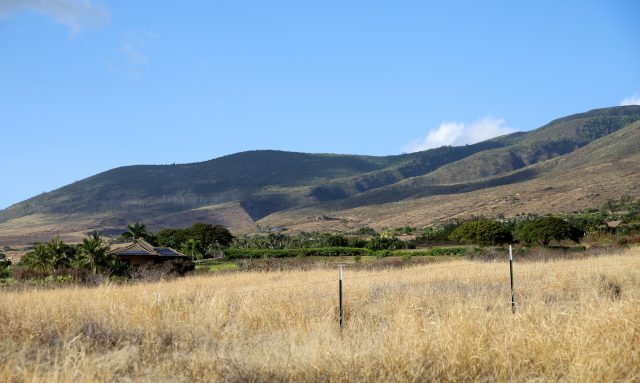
(440, 233)
(276, 241)
(482, 232)
(60, 254)
(334, 240)
(365, 230)
(380, 242)
(93, 253)
(37, 259)
(209, 234)
(193, 248)
(171, 238)
(136, 231)
(4, 261)
(544, 230)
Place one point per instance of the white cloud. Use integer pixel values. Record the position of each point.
(458, 133)
(633, 100)
(77, 15)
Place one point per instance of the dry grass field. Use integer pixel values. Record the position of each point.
(576, 321)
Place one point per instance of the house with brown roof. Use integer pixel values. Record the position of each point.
(141, 252)
(612, 226)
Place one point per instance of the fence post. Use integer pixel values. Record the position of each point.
(340, 292)
(513, 298)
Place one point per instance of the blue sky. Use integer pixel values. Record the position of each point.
(86, 86)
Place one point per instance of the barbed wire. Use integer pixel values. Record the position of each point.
(431, 279)
(522, 278)
(517, 273)
(428, 293)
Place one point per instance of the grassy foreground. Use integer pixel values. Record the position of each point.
(577, 320)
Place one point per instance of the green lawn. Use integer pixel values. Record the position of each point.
(7, 281)
(216, 265)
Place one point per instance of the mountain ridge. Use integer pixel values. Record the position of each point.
(251, 186)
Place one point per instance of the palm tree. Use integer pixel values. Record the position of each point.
(60, 253)
(94, 234)
(136, 231)
(38, 258)
(192, 248)
(94, 252)
(4, 261)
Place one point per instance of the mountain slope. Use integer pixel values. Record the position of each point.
(499, 166)
(246, 187)
(262, 181)
(607, 168)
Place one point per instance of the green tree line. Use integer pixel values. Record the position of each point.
(91, 255)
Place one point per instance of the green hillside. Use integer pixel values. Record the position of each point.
(268, 181)
(170, 188)
(511, 163)
(264, 181)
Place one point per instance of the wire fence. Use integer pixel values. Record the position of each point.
(479, 278)
(433, 281)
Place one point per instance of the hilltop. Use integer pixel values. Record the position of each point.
(572, 162)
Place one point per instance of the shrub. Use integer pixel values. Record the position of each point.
(383, 253)
(628, 241)
(384, 243)
(156, 271)
(75, 275)
(180, 267)
(335, 240)
(4, 265)
(484, 233)
(25, 273)
(404, 230)
(356, 242)
(365, 230)
(439, 234)
(233, 253)
(447, 251)
(544, 230)
(433, 252)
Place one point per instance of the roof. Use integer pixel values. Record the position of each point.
(168, 252)
(614, 224)
(143, 248)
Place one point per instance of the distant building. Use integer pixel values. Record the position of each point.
(612, 226)
(141, 252)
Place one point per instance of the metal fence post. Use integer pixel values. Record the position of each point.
(340, 292)
(513, 297)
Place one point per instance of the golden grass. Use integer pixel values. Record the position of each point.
(577, 321)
